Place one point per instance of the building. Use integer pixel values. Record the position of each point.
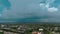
(34, 32)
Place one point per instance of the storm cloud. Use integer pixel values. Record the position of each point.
(30, 10)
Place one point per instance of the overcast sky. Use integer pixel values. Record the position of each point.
(38, 10)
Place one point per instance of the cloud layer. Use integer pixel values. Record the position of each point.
(33, 10)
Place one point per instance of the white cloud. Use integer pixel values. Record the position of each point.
(47, 6)
(52, 9)
(42, 6)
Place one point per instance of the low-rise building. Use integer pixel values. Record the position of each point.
(34, 32)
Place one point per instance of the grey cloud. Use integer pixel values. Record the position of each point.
(30, 8)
